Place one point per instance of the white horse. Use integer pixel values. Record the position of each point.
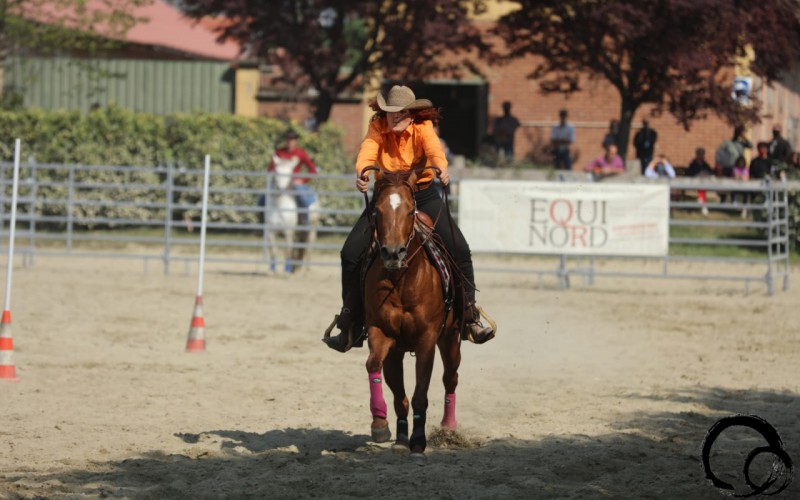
(284, 216)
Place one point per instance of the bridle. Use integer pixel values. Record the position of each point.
(414, 213)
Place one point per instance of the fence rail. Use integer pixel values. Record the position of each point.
(60, 206)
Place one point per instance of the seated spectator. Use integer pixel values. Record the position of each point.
(606, 165)
(699, 167)
(659, 167)
(761, 166)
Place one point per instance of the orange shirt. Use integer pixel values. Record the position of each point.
(392, 152)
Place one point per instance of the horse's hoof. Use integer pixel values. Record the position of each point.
(400, 448)
(419, 458)
(381, 434)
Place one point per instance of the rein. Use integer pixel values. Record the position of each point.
(426, 234)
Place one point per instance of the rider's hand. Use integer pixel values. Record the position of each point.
(362, 183)
(444, 177)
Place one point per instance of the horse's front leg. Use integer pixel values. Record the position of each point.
(290, 242)
(379, 346)
(426, 350)
(393, 371)
(450, 349)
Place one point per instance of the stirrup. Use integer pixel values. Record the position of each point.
(486, 334)
(335, 342)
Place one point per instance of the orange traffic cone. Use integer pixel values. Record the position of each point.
(7, 369)
(197, 330)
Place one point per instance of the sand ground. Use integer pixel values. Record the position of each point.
(600, 392)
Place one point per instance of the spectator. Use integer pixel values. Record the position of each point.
(606, 165)
(779, 148)
(730, 151)
(645, 142)
(741, 173)
(303, 193)
(761, 166)
(699, 167)
(612, 136)
(659, 167)
(504, 129)
(561, 138)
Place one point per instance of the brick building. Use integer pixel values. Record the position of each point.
(471, 105)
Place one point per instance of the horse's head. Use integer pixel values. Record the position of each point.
(284, 168)
(395, 212)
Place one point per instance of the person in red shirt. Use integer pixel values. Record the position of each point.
(304, 194)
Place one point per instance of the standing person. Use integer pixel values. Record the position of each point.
(645, 142)
(612, 136)
(699, 167)
(730, 151)
(303, 193)
(561, 138)
(401, 136)
(762, 165)
(779, 148)
(503, 130)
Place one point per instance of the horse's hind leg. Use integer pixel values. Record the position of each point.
(450, 349)
(393, 371)
(379, 346)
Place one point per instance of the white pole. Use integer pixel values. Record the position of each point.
(12, 225)
(203, 227)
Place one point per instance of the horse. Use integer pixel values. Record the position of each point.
(282, 214)
(406, 311)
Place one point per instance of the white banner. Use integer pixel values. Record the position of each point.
(564, 218)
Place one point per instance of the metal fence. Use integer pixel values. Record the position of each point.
(153, 214)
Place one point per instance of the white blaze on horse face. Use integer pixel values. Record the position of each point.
(395, 200)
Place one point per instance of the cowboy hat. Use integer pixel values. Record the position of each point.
(401, 98)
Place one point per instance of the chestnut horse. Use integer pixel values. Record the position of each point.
(405, 312)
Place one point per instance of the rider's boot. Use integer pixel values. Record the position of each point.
(349, 321)
(474, 331)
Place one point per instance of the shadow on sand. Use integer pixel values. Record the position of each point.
(644, 455)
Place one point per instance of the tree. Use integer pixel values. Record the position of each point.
(49, 26)
(328, 47)
(677, 55)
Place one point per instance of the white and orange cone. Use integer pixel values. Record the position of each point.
(8, 371)
(197, 330)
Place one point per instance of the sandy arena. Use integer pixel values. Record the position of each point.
(602, 392)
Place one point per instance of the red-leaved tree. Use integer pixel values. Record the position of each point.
(332, 46)
(677, 55)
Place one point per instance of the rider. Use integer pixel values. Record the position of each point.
(303, 193)
(401, 135)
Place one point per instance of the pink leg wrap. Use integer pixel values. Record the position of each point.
(701, 195)
(377, 404)
(449, 419)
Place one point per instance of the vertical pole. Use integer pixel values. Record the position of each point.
(12, 227)
(267, 201)
(203, 227)
(32, 212)
(70, 206)
(168, 220)
(784, 222)
(770, 191)
(3, 196)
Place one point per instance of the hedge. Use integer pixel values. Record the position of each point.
(113, 136)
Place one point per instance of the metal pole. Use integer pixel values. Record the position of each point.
(70, 206)
(12, 226)
(770, 191)
(203, 227)
(267, 201)
(168, 219)
(32, 212)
